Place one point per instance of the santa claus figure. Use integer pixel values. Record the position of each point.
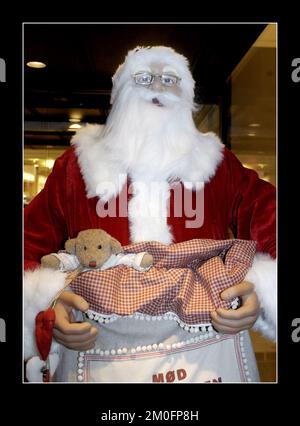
(150, 175)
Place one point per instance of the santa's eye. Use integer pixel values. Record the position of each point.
(143, 78)
(85, 248)
(99, 247)
(169, 80)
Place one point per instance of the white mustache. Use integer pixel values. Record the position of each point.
(163, 97)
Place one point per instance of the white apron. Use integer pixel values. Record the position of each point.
(161, 349)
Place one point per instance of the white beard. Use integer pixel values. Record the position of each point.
(148, 139)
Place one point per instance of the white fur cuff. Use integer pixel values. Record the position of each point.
(40, 287)
(263, 274)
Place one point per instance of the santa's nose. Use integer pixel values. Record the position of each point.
(157, 86)
(92, 263)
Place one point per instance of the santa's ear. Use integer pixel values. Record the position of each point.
(70, 245)
(115, 246)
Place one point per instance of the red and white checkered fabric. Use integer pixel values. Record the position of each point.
(186, 278)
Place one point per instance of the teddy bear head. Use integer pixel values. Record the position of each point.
(93, 247)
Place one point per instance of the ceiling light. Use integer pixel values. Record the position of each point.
(36, 64)
(251, 134)
(75, 126)
(254, 125)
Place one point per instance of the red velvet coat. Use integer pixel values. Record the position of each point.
(234, 198)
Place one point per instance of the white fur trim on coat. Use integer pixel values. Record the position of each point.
(103, 175)
(40, 287)
(263, 274)
(148, 213)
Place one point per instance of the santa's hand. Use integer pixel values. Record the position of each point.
(76, 336)
(231, 321)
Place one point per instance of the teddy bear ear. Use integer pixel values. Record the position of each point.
(70, 245)
(115, 245)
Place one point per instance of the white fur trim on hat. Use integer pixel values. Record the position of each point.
(34, 366)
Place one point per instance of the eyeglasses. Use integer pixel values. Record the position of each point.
(146, 78)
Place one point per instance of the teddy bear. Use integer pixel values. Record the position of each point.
(95, 249)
